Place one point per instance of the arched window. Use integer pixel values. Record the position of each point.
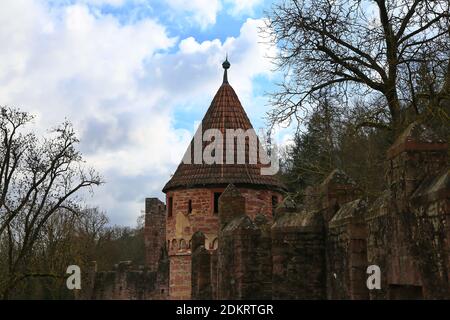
(174, 244)
(183, 245)
(189, 206)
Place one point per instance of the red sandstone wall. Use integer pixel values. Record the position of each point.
(181, 225)
(180, 277)
(154, 232)
(347, 261)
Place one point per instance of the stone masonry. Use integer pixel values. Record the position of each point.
(127, 281)
(323, 249)
(225, 231)
(319, 249)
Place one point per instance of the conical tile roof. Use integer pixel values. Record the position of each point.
(225, 112)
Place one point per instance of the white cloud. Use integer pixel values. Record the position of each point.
(116, 3)
(202, 12)
(239, 7)
(113, 3)
(247, 53)
(120, 86)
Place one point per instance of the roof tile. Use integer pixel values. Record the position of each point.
(225, 112)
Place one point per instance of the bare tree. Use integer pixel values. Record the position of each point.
(357, 48)
(91, 222)
(38, 178)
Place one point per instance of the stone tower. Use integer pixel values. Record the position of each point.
(154, 232)
(192, 194)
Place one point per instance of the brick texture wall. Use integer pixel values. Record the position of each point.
(318, 250)
(180, 276)
(193, 210)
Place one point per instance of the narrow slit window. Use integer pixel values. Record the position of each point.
(170, 206)
(274, 204)
(189, 206)
(216, 202)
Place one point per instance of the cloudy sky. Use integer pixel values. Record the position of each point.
(133, 76)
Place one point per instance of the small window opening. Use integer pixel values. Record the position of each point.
(216, 202)
(170, 207)
(274, 204)
(189, 206)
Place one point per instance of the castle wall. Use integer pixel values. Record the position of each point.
(129, 282)
(431, 233)
(417, 233)
(379, 241)
(298, 256)
(319, 251)
(201, 268)
(214, 272)
(126, 282)
(324, 251)
(244, 251)
(181, 225)
(154, 232)
(429, 227)
(347, 253)
(180, 276)
(237, 255)
(264, 257)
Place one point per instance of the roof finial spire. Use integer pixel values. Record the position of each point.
(226, 65)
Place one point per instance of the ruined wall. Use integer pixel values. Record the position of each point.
(214, 273)
(263, 257)
(430, 232)
(182, 224)
(390, 246)
(347, 253)
(192, 211)
(298, 256)
(180, 276)
(407, 233)
(130, 282)
(418, 236)
(284, 258)
(244, 251)
(154, 232)
(318, 251)
(237, 255)
(336, 189)
(412, 159)
(417, 154)
(127, 282)
(201, 269)
(323, 251)
(299, 239)
(379, 241)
